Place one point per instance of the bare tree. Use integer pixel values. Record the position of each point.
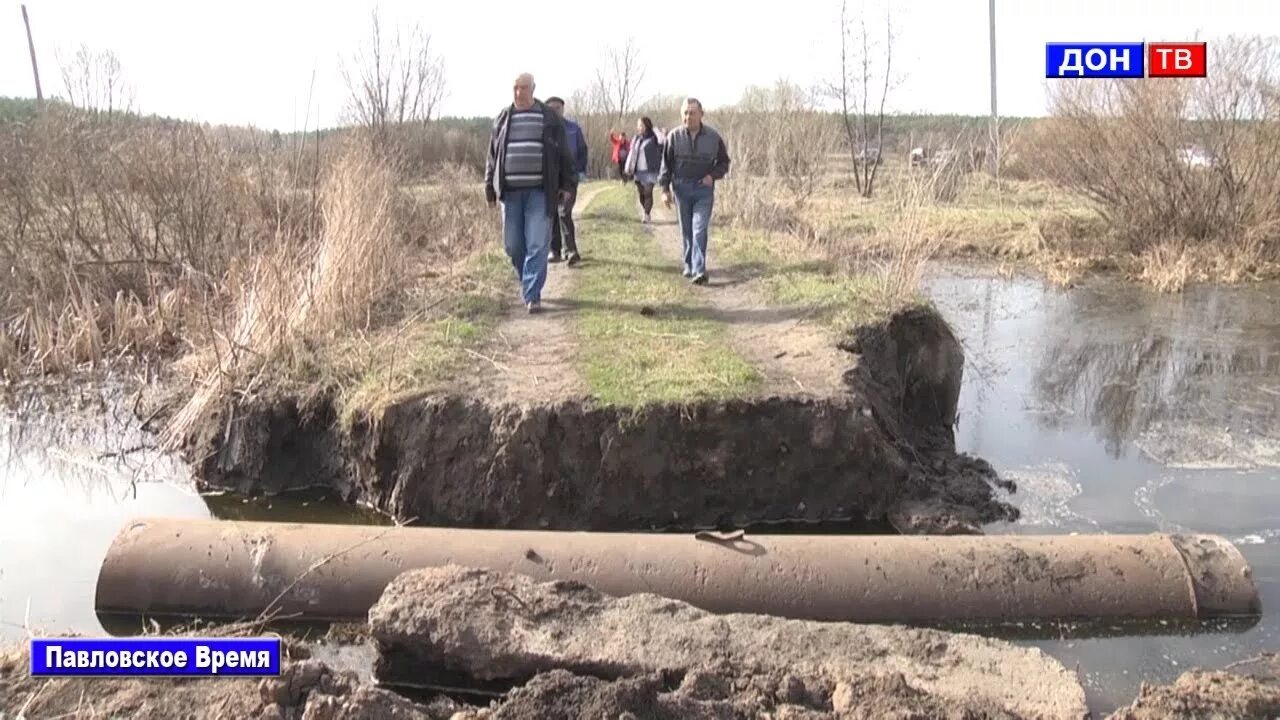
(94, 80)
(853, 90)
(619, 77)
(394, 80)
(782, 133)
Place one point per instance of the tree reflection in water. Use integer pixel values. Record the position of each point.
(1208, 358)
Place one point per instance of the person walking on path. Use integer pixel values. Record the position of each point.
(620, 147)
(562, 224)
(643, 164)
(529, 169)
(693, 159)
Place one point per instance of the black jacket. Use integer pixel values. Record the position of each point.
(652, 153)
(557, 158)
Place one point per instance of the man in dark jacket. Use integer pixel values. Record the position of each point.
(562, 223)
(693, 159)
(530, 169)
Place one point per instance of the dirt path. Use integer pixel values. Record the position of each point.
(533, 357)
(795, 354)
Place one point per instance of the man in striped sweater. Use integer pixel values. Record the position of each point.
(530, 170)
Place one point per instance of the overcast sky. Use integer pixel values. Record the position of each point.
(243, 62)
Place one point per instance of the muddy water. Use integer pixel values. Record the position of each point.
(1115, 409)
(74, 467)
(1119, 410)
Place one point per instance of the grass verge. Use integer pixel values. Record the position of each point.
(793, 276)
(644, 336)
(429, 347)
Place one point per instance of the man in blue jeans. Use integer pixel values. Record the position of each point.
(693, 159)
(529, 168)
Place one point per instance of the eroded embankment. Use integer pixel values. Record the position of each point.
(884, 449)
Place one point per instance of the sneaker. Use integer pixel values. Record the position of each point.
(646, 219)
(572, 259)
(700, 279)
(533, 307)
(553, 257)
(687, 273)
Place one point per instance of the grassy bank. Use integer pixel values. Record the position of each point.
(385, 296)
(643, 332)
(1024, 224)
(794, 274)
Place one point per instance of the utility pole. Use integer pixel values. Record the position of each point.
(995, 118)
(35, 70)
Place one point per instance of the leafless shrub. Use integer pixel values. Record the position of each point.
(909, 237)
(757, 203)
(779, 132)
(1189, 161)
(861, 76)
(393, 80)
(94, 80)
(107, 227)
(306, 288)
(618, 80)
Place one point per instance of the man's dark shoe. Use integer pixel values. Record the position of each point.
(534, 307)
(700, 279)
(572, 259)
(553, 257)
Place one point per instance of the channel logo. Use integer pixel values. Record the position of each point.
(1126, 60)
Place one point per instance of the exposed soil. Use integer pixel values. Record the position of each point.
(518, 649)
(793, 352)
(532, 357)
(1198, 694)
(563, 650)
(880, 450)
(457, 624)
(305, 690)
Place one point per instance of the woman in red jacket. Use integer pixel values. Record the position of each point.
(621, 146)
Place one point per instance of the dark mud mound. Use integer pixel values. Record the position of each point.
(884, 450)
(269, 446)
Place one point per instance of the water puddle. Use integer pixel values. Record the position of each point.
(75, 466)
(1121, 410)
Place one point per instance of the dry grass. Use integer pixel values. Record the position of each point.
(1186, 173)
(256, 265)
(305, 290)
(111, 230)
(910, 236)
(1104, 185)
(808, 260)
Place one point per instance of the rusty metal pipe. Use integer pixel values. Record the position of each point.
(331, 572)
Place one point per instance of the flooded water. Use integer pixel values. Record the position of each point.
(74, 467)
(1121, 410)
(1115, 409)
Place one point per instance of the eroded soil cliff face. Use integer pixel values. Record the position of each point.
(883, 450)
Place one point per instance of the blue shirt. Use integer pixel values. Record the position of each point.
(577, 144)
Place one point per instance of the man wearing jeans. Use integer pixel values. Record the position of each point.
(530, 170)
(693, 159)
